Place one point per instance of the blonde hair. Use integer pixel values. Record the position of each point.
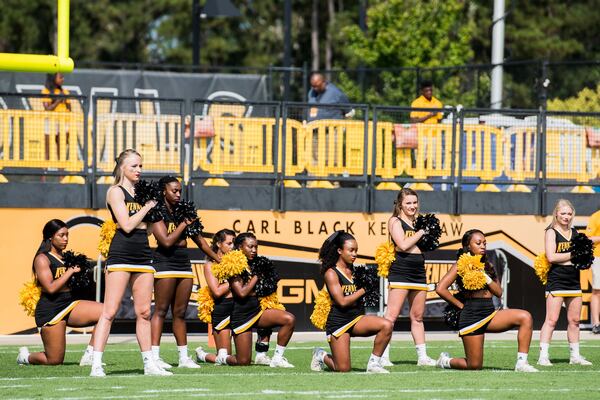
(117, 172)
(559, 204)
(404, 192)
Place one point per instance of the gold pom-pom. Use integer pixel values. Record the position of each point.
(232, 264)
(385, 254)
(542, 266)
(29, 296)
(271, 302)
(107, 231)
(471, 270)
(206, 304)
(321, 310)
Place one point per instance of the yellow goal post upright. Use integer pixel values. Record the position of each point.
(61, 62)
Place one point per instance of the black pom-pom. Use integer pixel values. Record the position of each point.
(146, 191)
(582, 251)
(82, 281)
(452, 313)
(365, 277)
(267, 275)
(187, 210)
(431, 225)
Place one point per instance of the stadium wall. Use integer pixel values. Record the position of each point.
(292, 240)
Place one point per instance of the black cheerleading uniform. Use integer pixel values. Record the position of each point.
(221, 314)
(129, 252)
(408, 270)
(563, 280)
(246, 312)
(171, 262)
(477, 312)
(342, 319)
(54, 307)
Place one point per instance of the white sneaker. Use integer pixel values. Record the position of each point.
(316, 364)
(525, 367)
(187, 363)
(152, 369)
(221, 360)
(262, 359)
(580, 360)
(443, 361)
(161, 364)
(385, 362)
(97, 371)
(426, 362)
(86, 359)
(23, 356)
(200, 354)
(280, 362)
(544, 362)
(376, 368)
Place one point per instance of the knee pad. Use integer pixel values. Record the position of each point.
(261, 347)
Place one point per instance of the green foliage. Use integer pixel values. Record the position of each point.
(408, 34)
(587, 100)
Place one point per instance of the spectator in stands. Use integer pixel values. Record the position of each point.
(426, 100)
(53, 86)
(593, 232)
(323, 92)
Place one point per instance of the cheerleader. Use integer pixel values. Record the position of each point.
(478, 314)
(563, 285)
(173, 278)
(407, 274)
(248, 314)
(222, 243)
(347, 315)
(129, 262)
(57, 308)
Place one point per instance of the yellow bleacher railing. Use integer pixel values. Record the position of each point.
(323, 149)
(40, 139)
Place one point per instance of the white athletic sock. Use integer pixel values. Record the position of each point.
(97, 359)
(421, 350)
(574, 350)
(544, 349)
(521, 357)
(279, 350)
(386, 352)
(89, 349)
(183, 352)
(147, 356)
(374, 359)
(156, 352)
(222, 353)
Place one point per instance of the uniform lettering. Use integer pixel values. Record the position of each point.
(59, 272)
(171, 228)
(563, 247)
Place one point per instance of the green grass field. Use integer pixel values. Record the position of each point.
(125, 379)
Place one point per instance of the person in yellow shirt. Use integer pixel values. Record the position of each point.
(593, 232)
(426, 100)
(53, 86)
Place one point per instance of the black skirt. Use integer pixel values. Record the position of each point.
(341, 320)
(130, 252)
(53, 308)
(173, 262)
(408, 272)
(221, 315)
(563, 281)
(245, 314)
(475, 316)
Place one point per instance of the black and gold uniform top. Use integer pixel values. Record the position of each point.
(171, 226)
(348, 288)
(132, 206)
(563, 245)
(57, 267)
(408, 230)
